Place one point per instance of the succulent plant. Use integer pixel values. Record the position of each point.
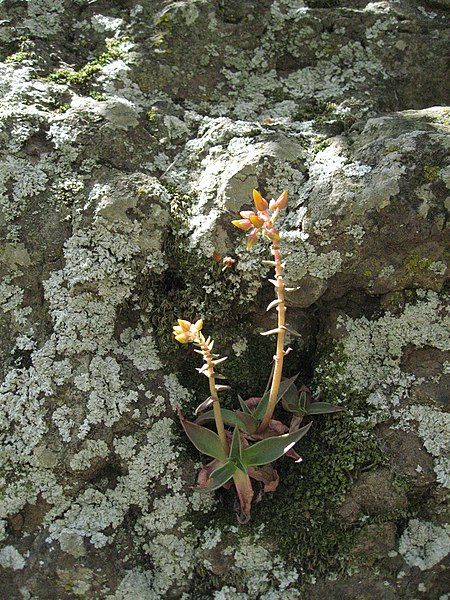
(249, 439)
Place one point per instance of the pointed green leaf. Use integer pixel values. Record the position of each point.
(204, 440)
(240, 465)
(285, 386)
(269, 381)
(322, 408)
(259, 411)
(244, 407)
(234, 418)
(268, 450)
(236, 448)
(291, 398)
(304, 399)
(292, 331)
(219, 477)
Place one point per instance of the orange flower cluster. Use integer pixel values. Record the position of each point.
(261, 221)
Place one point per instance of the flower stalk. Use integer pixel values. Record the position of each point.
(209, 362)
(185, 333)
(281, 333)
(262, 222)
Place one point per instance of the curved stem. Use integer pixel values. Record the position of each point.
(279, 356)
(214, 394)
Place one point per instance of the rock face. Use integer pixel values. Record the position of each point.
(130, 133)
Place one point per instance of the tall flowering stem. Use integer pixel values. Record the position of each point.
(186, 332)
(257, 223)
(281, 333)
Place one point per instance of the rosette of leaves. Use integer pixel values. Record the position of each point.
(243, 461)
(299, 402)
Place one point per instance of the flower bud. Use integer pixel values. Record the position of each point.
(251, 239)
(256, 221)
(243, 224)
(282, 200)
(273, 234)
(198, 325)
(260, 203)
(186, 332)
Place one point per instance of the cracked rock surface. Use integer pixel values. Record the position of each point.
(131, 132)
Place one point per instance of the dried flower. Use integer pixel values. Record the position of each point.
(227, 262)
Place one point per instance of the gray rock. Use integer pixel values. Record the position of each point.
(130, 136)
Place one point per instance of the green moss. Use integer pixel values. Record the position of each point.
(152, 116)
(416, 264)
(98, 96)
(391, 149)
(18, 57)
(443, 119)
(431, 173)
(70, 76)
(302, 514)
(62, 108)
(317, 110)
(25, 52)
(182, 287)
(320, 146)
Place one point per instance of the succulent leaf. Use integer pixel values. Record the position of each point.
(234, 418)
(322, 408)
(236, 447)
(244, 407)
(204, 405)
(285, 386)
(269, 449)
(203, 439)
(245, 493)
(219, 477)
(260, 410)
(291, 398)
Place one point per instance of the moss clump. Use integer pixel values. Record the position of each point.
(25, 52)
(302, 514)
(416, 264)
(391, 149)
(431, 173)
(98, 96)
(152, 116)
(320, 146)
(70, 76)
(317, 110)
(62, 108)
(18, 57)
(183, 287)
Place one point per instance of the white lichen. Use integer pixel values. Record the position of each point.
(10, 558)
(424, 544)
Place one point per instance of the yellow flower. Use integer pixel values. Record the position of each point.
(186, 331)
(261, 203)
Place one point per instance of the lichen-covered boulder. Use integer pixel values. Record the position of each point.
(131, 133)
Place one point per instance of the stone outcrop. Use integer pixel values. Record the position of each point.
(131, 133)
